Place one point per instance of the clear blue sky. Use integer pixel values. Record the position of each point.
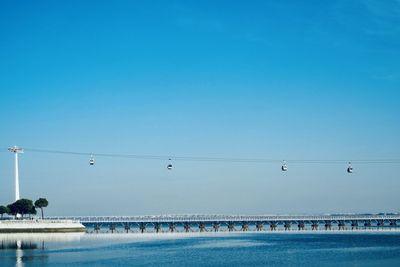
(247, 79)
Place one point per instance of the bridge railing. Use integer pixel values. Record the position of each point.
(228, 218)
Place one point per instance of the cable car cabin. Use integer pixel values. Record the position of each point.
(91, 161)
(169, 166)
(284, 167)
(350, 168)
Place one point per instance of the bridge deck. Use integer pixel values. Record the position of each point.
(231, 218)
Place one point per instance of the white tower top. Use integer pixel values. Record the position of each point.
(16, 149)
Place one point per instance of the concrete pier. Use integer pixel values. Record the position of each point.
(235, 223)
(41, 226)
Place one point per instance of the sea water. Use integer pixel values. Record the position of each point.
(202, 249)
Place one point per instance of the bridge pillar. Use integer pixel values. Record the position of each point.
(341, 225)
(172, 227)
(157, 227)
(287, 226)
(142, 227)
(127, 227)
(97, 228)
(112, 227)
(259, 226)
(202, 227)
(186, 227)
(245, 227)
(314, 226)
(328, 225)
(381, 223)
(367, 224)
(231, 226)
(273, 226)
(301, 226)
(354, 225)
(216, 227)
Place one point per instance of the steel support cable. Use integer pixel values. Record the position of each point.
(217, 159)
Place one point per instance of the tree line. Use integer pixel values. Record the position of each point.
(24, 207)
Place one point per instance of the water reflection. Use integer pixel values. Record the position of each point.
(18, 244)
(24, 244)
(19, 254)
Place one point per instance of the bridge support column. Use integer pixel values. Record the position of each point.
(381, 223)
(157, 227)
(127, 227)
(367, 224)
(231, 226)
(216, 227)
(202, 227)
(142, 227)
(273, 226)
(172, 227)
(301, 226)
(112, 227)
(354, 225)
(245, 227)
(97, 228)
(328, 225)
(186, 227)
(287, 226)
(341, 225)
(314, 226)
(259, 226)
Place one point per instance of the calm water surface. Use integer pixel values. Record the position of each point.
(253, 249)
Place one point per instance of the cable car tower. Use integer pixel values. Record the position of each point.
(16, 150)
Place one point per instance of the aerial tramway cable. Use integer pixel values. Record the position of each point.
(218, 159)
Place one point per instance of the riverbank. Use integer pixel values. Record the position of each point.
(41, 226)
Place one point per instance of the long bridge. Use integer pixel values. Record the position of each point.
(230, 223)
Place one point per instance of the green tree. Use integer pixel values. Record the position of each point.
(22, 206)
(41, 203)
(12, 209)
(3, 210)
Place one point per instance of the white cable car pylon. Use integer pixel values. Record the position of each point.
(16, 150)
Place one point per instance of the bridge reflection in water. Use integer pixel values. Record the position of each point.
(222, 223)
